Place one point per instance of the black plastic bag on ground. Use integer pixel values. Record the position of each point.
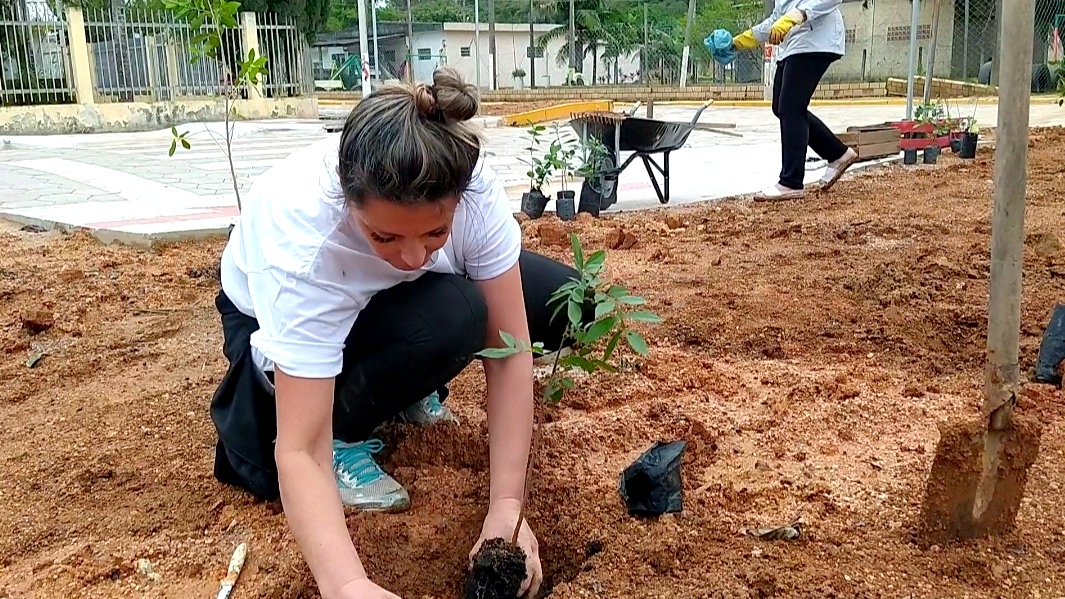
(651, 486)
(1052, 349)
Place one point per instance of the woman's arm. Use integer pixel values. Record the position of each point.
(304, 454)
(509, 384)
(760, 32)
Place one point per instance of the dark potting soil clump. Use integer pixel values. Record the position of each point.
(498, 571)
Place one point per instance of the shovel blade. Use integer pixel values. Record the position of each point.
(956, 506)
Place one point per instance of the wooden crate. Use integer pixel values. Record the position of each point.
(872, 142)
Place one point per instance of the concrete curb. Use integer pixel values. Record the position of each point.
(110, 236)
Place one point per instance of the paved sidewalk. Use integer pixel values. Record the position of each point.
(127, 185)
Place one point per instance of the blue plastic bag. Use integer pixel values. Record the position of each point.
(719, 43)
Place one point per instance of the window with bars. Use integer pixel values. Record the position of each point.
(425, 53)
(464, 51)
(902, 33)
(852, 36)
(529, 52)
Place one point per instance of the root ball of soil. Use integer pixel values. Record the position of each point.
(498, 571)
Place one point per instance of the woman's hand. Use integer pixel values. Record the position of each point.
(500, 522)
(363, 588)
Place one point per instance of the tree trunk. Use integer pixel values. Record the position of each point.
(595, 64)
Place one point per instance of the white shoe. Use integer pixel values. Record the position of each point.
(778, 193)
(835, 170)
(363, 484)
(428, 411)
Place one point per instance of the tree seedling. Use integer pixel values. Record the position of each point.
(209, 20)
(597, 316)
(613, 308)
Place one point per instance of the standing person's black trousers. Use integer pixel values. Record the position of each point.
(796, 80)
(409, 341)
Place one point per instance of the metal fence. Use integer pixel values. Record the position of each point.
(137, 54)
(281, 42)
(963, 33)
(144, 53)
(34, 56)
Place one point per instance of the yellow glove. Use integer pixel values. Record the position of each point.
(784, 25)
(745, 41)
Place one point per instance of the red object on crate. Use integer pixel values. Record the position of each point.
(917, 136)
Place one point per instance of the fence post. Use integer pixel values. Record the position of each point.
(79, 56)
(249, 29)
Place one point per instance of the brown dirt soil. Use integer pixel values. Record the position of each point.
(809, 352)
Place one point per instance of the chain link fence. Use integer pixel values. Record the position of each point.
(963, 33)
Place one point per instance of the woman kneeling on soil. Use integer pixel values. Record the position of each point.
(365, 273)
(810, 36)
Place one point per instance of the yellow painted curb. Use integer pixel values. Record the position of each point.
(554, 113)
(334, 102)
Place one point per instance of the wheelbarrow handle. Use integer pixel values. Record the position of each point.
(699, 113)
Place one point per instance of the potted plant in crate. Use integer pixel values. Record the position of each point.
(534, 201)
(969, 140)
(562, 154)
(598, 184)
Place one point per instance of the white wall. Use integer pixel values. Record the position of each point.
(873, 52)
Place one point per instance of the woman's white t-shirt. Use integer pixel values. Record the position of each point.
(299, 265)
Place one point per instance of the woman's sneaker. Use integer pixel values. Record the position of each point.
(363, 484)
(428, 411)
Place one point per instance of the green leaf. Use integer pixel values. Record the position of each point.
(642, 316)
(580, 362)
(578, 253)
(553, 392)
(596, 261)
(509, 339)
(574, 312)
(604, 308)
(185, 144)
(603, 365)
(616, 291)
(636, 342)
(631, 300)
(498, 353)
(600, 328)
(612, 345)
(173, 147)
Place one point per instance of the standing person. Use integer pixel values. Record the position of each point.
(810, 36)
(366, 272)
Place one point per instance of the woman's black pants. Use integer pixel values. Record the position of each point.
(796, 79)
(409, 341)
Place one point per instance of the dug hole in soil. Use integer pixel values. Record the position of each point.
(809, 353)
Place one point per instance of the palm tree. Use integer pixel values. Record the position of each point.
(591, 29)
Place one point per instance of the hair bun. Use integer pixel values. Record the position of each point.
(455, 98)
(424, 99)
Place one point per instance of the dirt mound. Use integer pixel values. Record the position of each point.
(808, 354)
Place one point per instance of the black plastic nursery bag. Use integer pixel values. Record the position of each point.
(651, 486)
(1052, 349)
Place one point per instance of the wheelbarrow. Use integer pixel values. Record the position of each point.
(617, 132)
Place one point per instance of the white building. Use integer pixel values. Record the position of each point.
(455, 45)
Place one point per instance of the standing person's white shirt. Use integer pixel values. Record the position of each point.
(299, 265)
